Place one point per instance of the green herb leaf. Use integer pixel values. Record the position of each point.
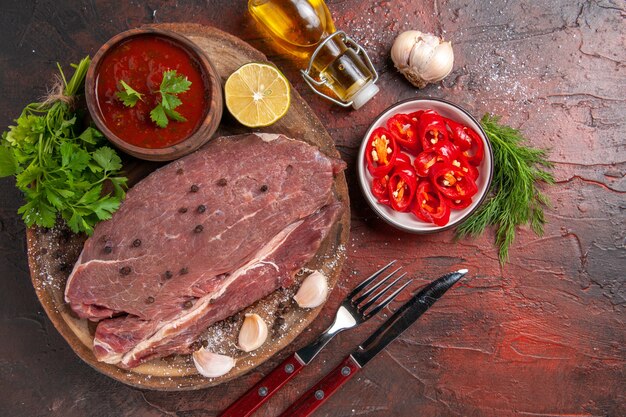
(91, 136)
(174, 115)
(8, 164)
(107, 159)
(158, 116)
(515, 199)
(105, 207)
(173, 83)
(129, 96)
(170, 101)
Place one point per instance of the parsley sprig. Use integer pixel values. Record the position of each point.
(129, 96)
(515, 198)
(61, 169)
(171, 85)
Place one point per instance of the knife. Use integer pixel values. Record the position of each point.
(385, 334)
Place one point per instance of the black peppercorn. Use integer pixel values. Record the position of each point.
(188, 304)
(149, 300)
(179, 171)
(137, 243)
(183, 271)
(201, 208)
(222, 182)
(264, 188)
(199, 228)
(168, 274)
(182, 210)
(125, 270)
(194, 188)
(108, 249)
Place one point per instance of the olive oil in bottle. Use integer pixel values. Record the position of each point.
(305, 29)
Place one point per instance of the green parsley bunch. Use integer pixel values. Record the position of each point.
(60, 168)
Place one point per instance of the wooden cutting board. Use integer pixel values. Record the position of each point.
(52, 253)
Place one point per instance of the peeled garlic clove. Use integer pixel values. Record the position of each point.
(212, 365)
(313, 291)
(253, 333)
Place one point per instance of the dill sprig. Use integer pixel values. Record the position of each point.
(514, 199)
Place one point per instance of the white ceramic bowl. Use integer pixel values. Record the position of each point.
(407, 221)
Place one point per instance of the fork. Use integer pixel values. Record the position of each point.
(352, 312)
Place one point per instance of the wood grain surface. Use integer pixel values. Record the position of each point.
(542, 336)
(52, 253)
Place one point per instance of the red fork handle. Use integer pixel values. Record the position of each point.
(322, 391)
(249, 402)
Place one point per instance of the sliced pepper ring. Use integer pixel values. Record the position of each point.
(404, 131)
(454, 183)
(432, 130)
(380, 153)
(401, 187)
(429, 204)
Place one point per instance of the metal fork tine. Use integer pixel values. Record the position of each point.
(374, 288)
(381, 292)
(368, 280)
(387, 300)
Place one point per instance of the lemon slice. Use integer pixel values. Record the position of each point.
(257, 94)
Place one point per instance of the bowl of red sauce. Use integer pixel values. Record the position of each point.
(140, 58)
(425, 165)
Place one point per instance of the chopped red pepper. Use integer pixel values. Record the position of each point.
(454, 183)
(404, 131)
(459, 204)
(415, 116)
(380, 152)
(458, 135)
(461, 162)
(403, 159)
(476, 151)
(447, 149)
(379, 189)
(425, 161)
(432, 130)
(401, 187)
(443, 153)
(429, 204)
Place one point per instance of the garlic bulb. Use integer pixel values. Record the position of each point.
(423, 58)
(313, 291)
(212, 365)
(253, 333)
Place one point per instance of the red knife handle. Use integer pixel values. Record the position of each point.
(321, 391)
(264, 389)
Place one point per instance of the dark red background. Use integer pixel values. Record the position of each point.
(542, 336)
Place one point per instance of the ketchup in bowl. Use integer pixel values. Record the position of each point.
(140, 61)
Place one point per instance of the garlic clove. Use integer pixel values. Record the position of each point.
(212, 365)
(313, 291)
(422, 52)
(422, 57)
(440, 63)
(402, 46)
(253, 333)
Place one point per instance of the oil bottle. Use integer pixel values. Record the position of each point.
(306, 30)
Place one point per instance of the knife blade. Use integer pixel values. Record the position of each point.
(385, 334)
